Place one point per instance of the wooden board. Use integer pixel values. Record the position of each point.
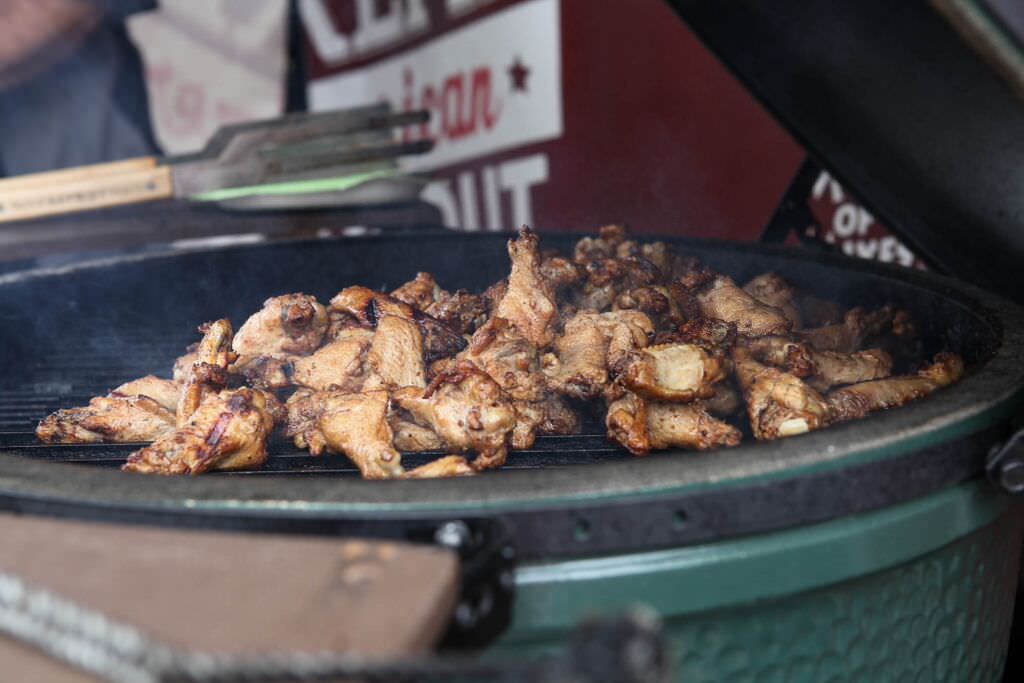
(232, 593)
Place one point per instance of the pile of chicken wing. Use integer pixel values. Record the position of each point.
(673, 352)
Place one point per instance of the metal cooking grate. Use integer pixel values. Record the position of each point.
(69, 377)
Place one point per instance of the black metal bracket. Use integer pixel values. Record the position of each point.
(487, 557)
(1005, 464)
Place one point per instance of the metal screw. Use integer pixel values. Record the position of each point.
(454, 534)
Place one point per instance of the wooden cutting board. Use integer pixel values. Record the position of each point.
(232, 593)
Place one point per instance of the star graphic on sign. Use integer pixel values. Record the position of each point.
(518, 72)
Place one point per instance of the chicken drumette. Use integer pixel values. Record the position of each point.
(228, 431)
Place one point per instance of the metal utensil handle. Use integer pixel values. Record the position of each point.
(51, 199)
(1005, 464)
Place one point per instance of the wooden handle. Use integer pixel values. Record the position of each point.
(126, 187)
(77, 173)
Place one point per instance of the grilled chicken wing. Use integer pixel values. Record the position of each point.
(603, 246)
(467, 410)
(228, 431)
(460, 311)
(409, 437)
(514, 363)
(163, 391)
(111, 419)
(338, 365)
(528, 303)
(822, 369)
(593, 346)
(725, 401)
(641, 425)
(367, 307)
(858, 325)
(395, 357)
(778, 403)
(772, 290)
(860, 399)
(290, 324)
(448, 466)
(420, 292)
(353, 424)
(209, 371)
(724, 300)
(674, 372)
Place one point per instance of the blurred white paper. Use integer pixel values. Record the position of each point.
(209, 64)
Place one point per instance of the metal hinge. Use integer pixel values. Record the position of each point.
(1005, 464)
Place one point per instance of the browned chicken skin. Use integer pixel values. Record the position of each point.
(111, 419)
(209, 371)
(772, 290)
(724, 300)
(448, 466)
(163, 391)
(858, 326)
(353, 424)
(778, 403)
(395, 357)
(289, 324)
(228, 431)
(338, 365)
(467, 410)
(528, 303)
(821, 369)
(420, 292)
(858, 400)
(592, 348)
(641, 425)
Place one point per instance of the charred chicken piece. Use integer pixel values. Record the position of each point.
(353, 424)
(724, 300)
(822, 369)
(641, 426)
(367, 307)
(290, 324)
(460, 311)
(110, 419)
(857, 327)
(528, 303)
(209, 371)
(674, 372)
(559, 272)
(772, 290)
(448, 466)
(858, 400)
(395, 357)
(514, 363)
(420, 292)
(228, 431)
(338, 365)
(603, 246)
(607, 279)
(467, 410)
(778, 403)
(163, 391)
(593, 346)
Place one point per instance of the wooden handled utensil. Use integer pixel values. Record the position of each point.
(290, 148)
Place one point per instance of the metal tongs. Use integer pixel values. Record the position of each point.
(336, 149)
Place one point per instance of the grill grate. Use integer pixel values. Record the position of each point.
(70, 377)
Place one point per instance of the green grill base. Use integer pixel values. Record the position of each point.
(939, 615)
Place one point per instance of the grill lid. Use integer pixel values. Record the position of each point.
(924, 126)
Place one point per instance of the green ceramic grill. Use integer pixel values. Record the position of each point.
(872, 550)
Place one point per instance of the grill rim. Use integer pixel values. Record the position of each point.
(988, 396)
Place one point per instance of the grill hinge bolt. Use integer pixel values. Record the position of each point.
(454, 535)
(1005, 464)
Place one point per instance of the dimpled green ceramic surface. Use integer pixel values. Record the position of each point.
(917, 592)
